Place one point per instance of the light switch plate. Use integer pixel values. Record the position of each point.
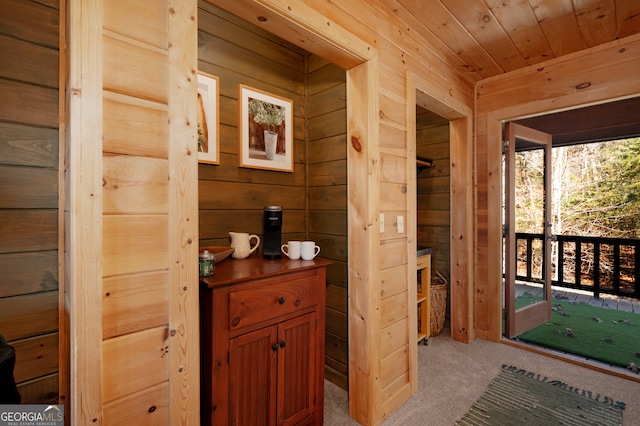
(400, 224)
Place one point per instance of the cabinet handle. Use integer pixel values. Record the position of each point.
(283, 344)
(274, 347)
(281, 300)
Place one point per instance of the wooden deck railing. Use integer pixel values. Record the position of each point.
(594, 264)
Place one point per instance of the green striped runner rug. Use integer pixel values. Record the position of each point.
(519, 397)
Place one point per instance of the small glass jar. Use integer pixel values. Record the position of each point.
(207, 264)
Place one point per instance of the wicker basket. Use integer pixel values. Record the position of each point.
(438, 291)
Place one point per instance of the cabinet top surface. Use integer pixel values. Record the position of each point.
(233, 271)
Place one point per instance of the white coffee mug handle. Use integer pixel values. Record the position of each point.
(286, 252)
(255, 247)
(316, 251)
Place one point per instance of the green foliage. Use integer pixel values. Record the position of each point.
(265, 113)
(606, 335)
(603, 189)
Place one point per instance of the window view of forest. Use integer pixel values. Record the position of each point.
(595, 193)
(596, 190)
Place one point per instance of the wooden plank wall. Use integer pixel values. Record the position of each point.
(327, 225)
(596, 75)
(313, 197)
(433, 204)
(135, 286)
(233, 198)
(29, 152)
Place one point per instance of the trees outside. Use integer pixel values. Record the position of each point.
(596, 193)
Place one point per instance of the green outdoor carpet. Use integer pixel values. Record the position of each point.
(519, 397)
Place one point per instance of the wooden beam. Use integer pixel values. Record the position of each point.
(184, 330)
(299, 24)
(364, 242)
(83, 209)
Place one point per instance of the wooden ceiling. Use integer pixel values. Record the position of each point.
(484, 38)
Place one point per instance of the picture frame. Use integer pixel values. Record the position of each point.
(266, 130)
(208, 114)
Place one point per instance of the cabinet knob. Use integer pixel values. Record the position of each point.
(274, 347)
(283, 344)
(281, 300)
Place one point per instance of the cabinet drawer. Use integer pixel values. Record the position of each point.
(423, 261)
(255, 303)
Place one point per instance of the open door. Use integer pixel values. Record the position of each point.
(527, 211)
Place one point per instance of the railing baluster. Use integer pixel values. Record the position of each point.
(596, 269)
(611, 256)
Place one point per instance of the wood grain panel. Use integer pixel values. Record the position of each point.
(393, 366)
(228, 171)
(258, 67)
(326, 78)
(393, 281)
(393, 309)
(136, 19)
(28, 230)
(134, 302)
(135, 185)
(134, 69)
(394, 336)
(393, 196)
(133, 244)
(328, 198)
(29, 272)
(36, 357)
(40, 102)
(332, 247)
(328, 222)
(327, 125)
(327, 149)
(224, 25)
(218, 223)
(337, 299)
(330, 173)
(393, 168)
(337, 273)
(28, 146)
(31, 22)
(242, 195)
(488, 32)
(29, 315)
(515, 17)
(29, 63)
(134, 126)
(35, 188)
(596, 20)
(43, 390)
(146, 407)
(134, 362)
(328, 100)
(336, 352)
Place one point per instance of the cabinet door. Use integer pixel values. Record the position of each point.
(296, 369)
(253, 361)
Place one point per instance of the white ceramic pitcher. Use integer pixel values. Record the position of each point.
(241, 242)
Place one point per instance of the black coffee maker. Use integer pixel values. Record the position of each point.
(272, 240)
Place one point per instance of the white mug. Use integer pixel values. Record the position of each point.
(292, 249)
(309, 250)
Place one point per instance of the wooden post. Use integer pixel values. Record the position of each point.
(83, 210)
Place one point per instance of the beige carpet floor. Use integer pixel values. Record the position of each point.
(453, 375)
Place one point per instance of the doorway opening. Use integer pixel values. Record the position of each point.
(591, 248)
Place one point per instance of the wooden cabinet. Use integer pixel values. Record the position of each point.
(423, 296)
(262, 342)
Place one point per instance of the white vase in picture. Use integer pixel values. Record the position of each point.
(270, 144)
